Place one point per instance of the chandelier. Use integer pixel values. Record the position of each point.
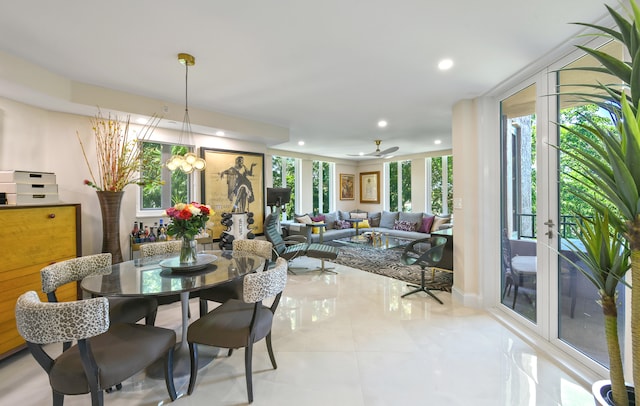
(188, 162)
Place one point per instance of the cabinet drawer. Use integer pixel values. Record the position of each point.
(35, 235)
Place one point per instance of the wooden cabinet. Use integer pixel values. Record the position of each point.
(31, 238)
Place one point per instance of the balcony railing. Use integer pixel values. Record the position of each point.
(526, 225)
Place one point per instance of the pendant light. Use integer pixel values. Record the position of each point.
(188, 162)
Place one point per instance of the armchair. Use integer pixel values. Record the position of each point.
(426, 252)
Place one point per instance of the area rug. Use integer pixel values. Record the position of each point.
(387, 263)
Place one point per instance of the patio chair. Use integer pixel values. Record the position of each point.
(426, 253)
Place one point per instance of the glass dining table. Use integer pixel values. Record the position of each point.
(160, 275)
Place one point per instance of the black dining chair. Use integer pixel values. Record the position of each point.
(426, 253)
(241, 323)
(104, 355)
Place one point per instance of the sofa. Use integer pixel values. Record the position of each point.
(408, 225)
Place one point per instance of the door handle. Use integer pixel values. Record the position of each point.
(549, 223)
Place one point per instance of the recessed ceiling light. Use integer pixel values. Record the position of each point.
(445, 64)
(141, 120)
(382, 123)
(220, 133)
(437, 142)
(301, 143)
(361, 153)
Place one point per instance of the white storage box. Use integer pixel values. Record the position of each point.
(27, 177)
(32, 198)
(36, 188)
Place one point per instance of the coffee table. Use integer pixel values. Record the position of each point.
(386, 241)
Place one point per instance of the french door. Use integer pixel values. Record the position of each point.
(541, 283)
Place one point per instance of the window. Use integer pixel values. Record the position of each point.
(441, 184)
(322, 186)
(399, 185)
(284, 175)
(176, 184)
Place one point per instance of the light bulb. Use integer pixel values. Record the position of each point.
(186, 167)
(199, 164)
(190, 158)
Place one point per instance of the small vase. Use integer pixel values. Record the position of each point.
(189, 251)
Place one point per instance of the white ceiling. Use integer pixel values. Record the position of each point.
(327, 70)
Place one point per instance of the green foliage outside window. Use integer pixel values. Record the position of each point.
(176, 184)
(325, 186)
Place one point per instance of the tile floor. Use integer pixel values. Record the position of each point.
(349, 339)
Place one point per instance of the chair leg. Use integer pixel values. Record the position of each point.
(270, 350)
(97, 397)
(193, 355)
(422, 288)
(58, 398)
(248, 354)
(168, 375)
(204, 307)
(150, 320)
(229, 352)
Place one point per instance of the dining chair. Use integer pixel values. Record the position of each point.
(162, 248)
(241, 323)
(233, 289)
(105, 354)
(426, 253)
(121, 309)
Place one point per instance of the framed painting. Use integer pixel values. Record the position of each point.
(233, 182)
(347, 186)
(370, 187)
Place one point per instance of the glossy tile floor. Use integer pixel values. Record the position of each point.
(349, 339)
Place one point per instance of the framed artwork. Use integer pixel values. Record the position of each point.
(233, 182)
(370, 187)
(347, 186)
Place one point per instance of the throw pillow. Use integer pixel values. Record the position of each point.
(374, 219)
(414, 218)
(344, 215)
(438, 221)
(362, 215)
(427, 221)
(303, 219)
(388, 218)
(362, 224)
(330, 219)
(316, 230)
(319, 218)
(403, 226)
(342, 224)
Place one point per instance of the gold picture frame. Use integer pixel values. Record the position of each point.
(233, 179)
(370, 187)
(347, 186)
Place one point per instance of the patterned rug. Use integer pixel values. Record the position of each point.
(387, 263)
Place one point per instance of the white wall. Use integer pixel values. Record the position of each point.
(33, 139)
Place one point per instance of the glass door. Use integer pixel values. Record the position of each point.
(578, 308)
(519, 276)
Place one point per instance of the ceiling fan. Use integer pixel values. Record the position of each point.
(377, 153)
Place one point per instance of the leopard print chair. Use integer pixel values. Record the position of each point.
(164, 248)
(233, 288)
(240, 323)
(104, 355)
(121, 309)
(160, 248)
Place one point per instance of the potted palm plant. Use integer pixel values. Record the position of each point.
(610, 170)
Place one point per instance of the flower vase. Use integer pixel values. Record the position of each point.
(189, 251)
(110, 208)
